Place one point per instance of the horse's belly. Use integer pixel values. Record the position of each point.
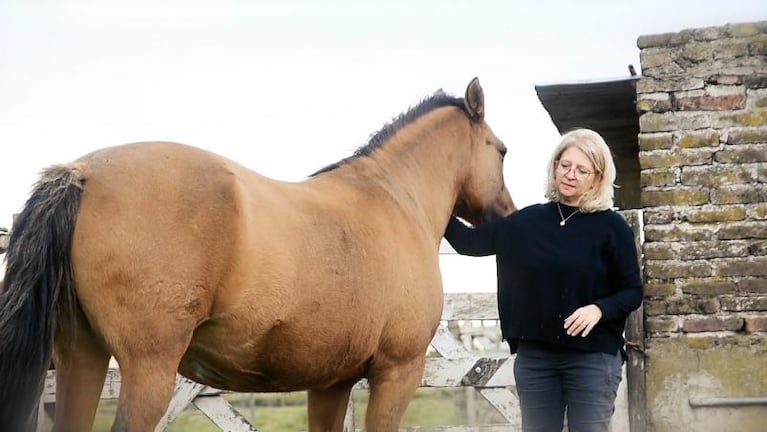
(275, 362)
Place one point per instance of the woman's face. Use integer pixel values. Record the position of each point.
(574, 175)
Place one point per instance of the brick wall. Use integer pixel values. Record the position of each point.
(703, 155)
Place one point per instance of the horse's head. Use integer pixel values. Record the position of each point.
(483, 195)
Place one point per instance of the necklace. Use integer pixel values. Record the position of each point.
(565, 219)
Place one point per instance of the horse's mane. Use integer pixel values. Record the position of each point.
(437, 100)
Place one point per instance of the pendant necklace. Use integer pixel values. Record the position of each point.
(561, 216)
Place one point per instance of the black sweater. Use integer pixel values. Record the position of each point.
(547, 271)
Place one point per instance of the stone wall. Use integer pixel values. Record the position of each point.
(703, 156)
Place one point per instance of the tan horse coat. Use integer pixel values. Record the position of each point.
(185, 260)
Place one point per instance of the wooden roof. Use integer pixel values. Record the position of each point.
(606, 106)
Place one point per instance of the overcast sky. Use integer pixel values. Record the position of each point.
(288, 87)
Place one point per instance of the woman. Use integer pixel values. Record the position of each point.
(567, 280)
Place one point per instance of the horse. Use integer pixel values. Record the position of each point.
(170, 258)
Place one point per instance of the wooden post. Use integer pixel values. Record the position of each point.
(635, 371)
(635, 346)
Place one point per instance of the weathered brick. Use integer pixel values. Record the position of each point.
(653, 57)
(711, 249)
(743, 230)
(673, 121)
(707, 138)
(756, 324)
(654, 307)
(714, 214)
(706, 287)
(757, 248)
(757, 98)
(742, 29)
(655, 102)
(751, 135)
(726, 79)
(675, 197)
(676, 269)
(692, 305)
(660, 215)
(752, 285)
(709, 33)
(662, 71)
(697, 51)
(717, 175)
(743, 304)
(758, 212)
(703, 102)
(757, 46)
(659, 289)
(761, 174)
(655, 141)
(749, 118)
(658, 251)
(735, 194)
(697, 324)
(657, 177)
(662, 324)
(659, 159)
(752, 266)
(697, 156)
(729, 48)
(679, 232)
(755, 81)
(746, 153)
(653, 85)
(664, 39)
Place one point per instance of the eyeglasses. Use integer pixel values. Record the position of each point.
(579, 172)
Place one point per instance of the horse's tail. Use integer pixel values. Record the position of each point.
(38, 299)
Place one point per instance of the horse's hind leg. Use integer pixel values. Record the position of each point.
(327, 408)
(391, 388)
(148, 368)
(80, 371)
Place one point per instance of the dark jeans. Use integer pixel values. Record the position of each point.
(552, 381)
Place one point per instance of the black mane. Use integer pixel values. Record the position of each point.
(437, 100)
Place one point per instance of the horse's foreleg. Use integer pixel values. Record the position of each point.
(327, 408)
(391, 389)
(80, 371)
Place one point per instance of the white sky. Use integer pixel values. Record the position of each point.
(286, 88)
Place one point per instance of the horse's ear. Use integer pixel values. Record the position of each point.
(475, 100)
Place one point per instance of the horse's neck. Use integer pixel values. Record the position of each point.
(420, 169)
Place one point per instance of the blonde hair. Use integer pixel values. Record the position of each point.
(594, 147)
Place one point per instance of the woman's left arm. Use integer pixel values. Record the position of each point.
(625, 278)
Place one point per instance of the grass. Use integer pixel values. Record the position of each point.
(287, 411)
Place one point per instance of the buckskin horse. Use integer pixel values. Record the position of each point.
(174, 259)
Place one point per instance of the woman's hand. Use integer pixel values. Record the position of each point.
(583, 320)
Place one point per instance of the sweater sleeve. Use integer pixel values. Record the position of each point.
(479, 241)
(625, 278)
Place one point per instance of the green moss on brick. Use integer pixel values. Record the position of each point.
(697, 51)
(660, 141)
(674, 197)
(719, 215)
(693, 140)
(754, 118)
(747, 135)
(699, 343)
(659, 160)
